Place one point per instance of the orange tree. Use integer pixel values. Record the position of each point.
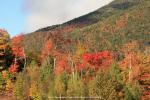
(18, 54)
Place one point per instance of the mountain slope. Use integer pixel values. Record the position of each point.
(107, 28)
(129, 25)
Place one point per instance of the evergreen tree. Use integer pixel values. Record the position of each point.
(76, 87)
(19, 88)
(103, 87)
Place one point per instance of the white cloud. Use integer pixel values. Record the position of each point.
(42, 13)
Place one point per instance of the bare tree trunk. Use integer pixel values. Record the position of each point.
(130, 69)
(60, 96)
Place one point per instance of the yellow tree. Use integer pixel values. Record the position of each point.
(4, 42)
(60, 87)
(76, 58)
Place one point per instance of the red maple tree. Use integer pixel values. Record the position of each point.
(14, 68)
(62, 65)
(17, 52)
(98, 59)
(17, 48)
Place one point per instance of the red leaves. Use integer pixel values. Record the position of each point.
(47, 49)
(121, 23)
(95, 60)
(62, 66)
(145, 80)
(81, 67)
(144, 77)
(18, 53)
(17, 39)
(98, 59)
(13, 68)
(17, 48)
(147, 93)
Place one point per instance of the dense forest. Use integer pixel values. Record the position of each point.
(104, 55)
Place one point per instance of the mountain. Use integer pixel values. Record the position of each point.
(109, 27)
(104, 54)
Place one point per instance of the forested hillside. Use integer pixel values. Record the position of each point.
(104, 55)
(128, 15)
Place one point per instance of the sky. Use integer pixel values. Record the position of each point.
(17, 16)
(12, 18)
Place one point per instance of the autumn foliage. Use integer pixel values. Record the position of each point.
(62, 66)
(17, 52)
(47, 49)
(14, 68)
(17, 48)
(98, 60)
(103, 54)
